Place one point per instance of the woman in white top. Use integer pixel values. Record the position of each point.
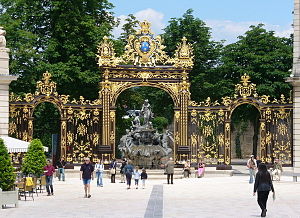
(99, 168)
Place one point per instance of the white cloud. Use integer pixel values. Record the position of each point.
(221, 29)
(149, 14)
(229, 30)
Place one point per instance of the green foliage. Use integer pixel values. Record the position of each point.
(160, 123)
(7, 176)
(265, 57)
(35, 159)
(46, 122)
(62, 37)
(58, 36)
(129, 27)
(204, 78)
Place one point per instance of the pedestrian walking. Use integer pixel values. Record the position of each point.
(201, 169)
(263, 185)
(170, 170)
(61, 164)
(128, 169)
(86, 174)
(49, 171)
(137, 176)
(144, 177)
(122, 170)
(186, 169)
(252, 166)
(99, 169)
(113, 170)
(277, 170)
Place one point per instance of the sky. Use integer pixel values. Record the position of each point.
(227, 19)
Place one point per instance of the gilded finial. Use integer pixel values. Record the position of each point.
(106, 53)
(145, 28)
(245, 79)
(183, 55)
(245, 89)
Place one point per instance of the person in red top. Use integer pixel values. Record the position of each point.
(49, 171)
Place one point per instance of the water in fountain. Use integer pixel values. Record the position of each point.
(143, 144)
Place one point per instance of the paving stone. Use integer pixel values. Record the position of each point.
(205, 197)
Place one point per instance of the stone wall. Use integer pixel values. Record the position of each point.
(295, 81)
(5, 80)
(246, 140)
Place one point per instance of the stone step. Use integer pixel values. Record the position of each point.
(159, 173)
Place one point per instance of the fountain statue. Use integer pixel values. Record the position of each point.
(143, 144)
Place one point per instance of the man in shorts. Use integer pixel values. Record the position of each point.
(86, 174)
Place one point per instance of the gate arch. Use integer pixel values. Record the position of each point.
(251, 101)
(214, 118)
(150, 84)
(80, 120)
(138, 67)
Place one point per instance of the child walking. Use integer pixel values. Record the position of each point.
(144, 176)
(136, 177)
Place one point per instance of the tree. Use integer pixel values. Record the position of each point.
(35, 159)
(7, 177)
(76, 28)
(46, 122)
(160, 123)
(129, 27)
(58, 36)
(24, 22)
(204, 78)
(265, 57)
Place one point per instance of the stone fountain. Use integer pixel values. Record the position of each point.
(143, 144)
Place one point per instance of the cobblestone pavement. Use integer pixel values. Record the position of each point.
(205, 197)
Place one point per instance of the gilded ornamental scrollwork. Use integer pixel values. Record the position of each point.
(246, 89)
(211, 120)
(106, 54)
(202, 130)
(79, 122)
(145, 50)
(46, 86)
(183, 55)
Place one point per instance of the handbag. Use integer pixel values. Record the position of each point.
(274, 196)
(112, 171)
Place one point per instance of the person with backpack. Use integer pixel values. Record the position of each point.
(263, 185)
(128, 170)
